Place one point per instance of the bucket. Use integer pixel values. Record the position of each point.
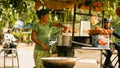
(59, 40)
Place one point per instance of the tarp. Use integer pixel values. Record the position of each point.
(61, 4)
(57, 4)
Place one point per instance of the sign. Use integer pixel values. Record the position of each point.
(101, 41)
(84, 27)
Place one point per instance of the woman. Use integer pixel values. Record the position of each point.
(41, 35)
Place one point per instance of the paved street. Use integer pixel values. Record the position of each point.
(25, 54)
(87, 58)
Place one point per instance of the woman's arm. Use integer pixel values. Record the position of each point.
(34, 38)
(60, 25)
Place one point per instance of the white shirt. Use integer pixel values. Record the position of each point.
(9, 37)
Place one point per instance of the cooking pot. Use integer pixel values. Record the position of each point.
(63, 40)
(59, 62)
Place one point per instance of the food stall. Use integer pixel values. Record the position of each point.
(65, 48)
(68, 43)
(64, 61)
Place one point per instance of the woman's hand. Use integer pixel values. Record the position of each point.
(67, 30)
(45, 47)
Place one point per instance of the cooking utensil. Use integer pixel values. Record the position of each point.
(64, 40)
(59, 62)
(81, 43)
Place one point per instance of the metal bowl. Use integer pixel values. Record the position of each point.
(59, 62)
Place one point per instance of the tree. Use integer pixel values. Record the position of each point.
(11, 10)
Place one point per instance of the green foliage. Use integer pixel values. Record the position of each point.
(12, 10)
(17, 35)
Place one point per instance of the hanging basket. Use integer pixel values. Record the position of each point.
(37, 4)
(118, 11)
(96, 6)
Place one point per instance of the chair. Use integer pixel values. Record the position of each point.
(14, 51)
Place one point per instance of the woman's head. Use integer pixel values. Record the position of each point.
(41, 13)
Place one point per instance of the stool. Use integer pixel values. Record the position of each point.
(14, 50)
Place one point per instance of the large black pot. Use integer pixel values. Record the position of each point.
(59, 62)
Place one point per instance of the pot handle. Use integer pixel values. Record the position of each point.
(82, 43)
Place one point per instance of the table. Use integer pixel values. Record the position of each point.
(94, 48)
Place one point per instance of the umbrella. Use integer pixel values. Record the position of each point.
(28, 26)
(18, 24)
